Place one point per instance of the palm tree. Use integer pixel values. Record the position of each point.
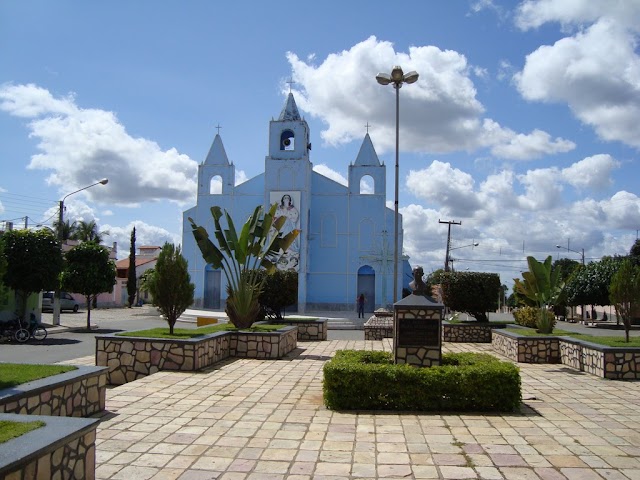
(88, 232)
(68, 230)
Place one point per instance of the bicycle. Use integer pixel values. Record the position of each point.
(36, 329)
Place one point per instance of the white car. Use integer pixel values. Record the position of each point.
(67, 302)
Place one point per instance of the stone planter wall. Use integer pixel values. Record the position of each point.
(130, 358)
(63, 448)
(615, 363)
(526, 349)
(377, 332)
(78, 393)
(265, 345)
(467, 332)
(308, 330)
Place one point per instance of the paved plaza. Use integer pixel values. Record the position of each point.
(256, 419)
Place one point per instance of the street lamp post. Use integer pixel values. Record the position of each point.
(397, 78)
(56, 296)
(581, 253)
(450, 260)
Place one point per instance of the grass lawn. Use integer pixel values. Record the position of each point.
(12, 374)
(186, 333)
(9, 430)
(617, 341)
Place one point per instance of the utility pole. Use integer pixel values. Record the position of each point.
(446, 258)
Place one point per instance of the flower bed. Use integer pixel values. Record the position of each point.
(616, 363)
(63, 448)
(129, 358)
(77, 393)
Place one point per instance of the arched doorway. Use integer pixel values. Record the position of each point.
(367, 285)
(211, 288)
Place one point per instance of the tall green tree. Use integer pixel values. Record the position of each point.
(589, 285)
(240, 254)
(4, 291)
(132, 280)
(34, 263)
(635, 249)
(541, 287)
(624, 292)
(171, 285)
(474, 293)
(280, 290)
(89, 271)
(68, 230)
(88, 232)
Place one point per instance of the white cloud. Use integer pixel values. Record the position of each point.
(596, 71)
(440, 112)
(592, 172)
(449, 186)
(323, 169)
(146, 235)
(512, 215)
(81, 145)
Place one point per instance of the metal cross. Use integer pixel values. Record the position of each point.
(290, 82)
(218, 127)
(367, 125)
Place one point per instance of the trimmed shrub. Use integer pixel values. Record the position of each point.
(367, 380)
(528, 317)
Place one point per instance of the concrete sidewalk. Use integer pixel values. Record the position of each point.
(256, 419)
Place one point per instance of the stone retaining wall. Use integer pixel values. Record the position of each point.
(468, 332)
(63, 448)
(77, 393)
(616, 363)
(308, 330)
(130, 358)
(377, 332)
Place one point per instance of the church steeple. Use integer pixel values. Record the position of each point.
(367, 154)
(290, 110)
(217, 154)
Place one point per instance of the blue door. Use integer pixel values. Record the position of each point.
(367, 285)
(211, 288)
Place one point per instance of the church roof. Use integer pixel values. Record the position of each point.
(290, 110)
(217, 154)
(367, 154)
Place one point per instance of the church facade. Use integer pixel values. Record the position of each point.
(345, 246)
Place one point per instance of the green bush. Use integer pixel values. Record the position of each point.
(528, 317)
(366, 380)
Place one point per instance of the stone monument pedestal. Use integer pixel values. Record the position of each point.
(417, 337)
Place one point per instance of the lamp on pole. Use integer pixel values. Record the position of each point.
(397, 78)
(450, 260)
(581, 253)
(56, 296)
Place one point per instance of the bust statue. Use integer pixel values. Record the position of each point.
(417, 285)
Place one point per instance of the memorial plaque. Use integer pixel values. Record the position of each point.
(418, 332)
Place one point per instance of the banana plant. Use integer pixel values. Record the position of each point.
(259, 245)
(541, 287)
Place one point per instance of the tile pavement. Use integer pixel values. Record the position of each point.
(253, 419)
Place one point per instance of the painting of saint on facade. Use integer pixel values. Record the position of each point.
(288, 203)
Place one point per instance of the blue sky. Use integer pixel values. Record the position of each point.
(523, 125)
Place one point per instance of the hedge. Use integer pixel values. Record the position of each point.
(470, 382)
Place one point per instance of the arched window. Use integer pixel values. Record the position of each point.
(367, 185)
(215, 187)
(287, 140)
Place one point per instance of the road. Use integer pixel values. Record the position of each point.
(74, 341)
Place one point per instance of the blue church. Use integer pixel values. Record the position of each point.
(345, 246)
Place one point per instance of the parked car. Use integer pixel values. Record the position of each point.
(67, 302)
